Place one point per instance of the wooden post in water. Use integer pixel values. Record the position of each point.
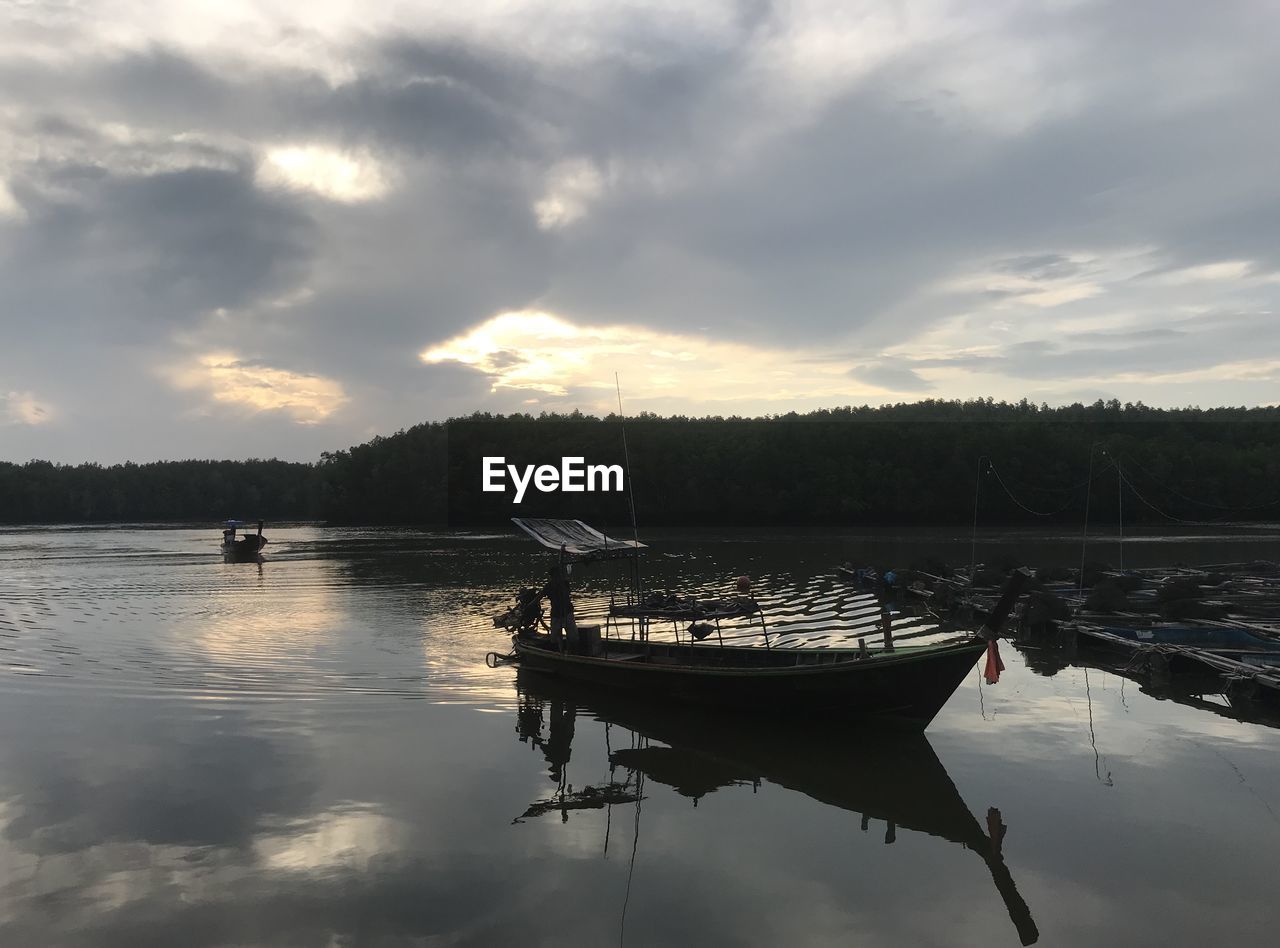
(1013, 588)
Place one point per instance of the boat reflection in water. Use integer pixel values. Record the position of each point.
(897, 777)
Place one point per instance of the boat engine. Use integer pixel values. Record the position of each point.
(523, 617)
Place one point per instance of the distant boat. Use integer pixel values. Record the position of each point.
(245, 548)
(910, 683)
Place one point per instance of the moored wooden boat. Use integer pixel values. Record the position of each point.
(909, 683)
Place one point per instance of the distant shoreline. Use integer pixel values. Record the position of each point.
(926, 463)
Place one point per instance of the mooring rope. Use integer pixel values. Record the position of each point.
(1165, 513)
(1114, 463)
(1031, 510)
(1204, 503)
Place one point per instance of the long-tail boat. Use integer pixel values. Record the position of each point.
(907, 682)
(245, 548)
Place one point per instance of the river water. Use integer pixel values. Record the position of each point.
(313, 752)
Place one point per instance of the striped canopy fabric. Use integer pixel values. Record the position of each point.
(575, 538)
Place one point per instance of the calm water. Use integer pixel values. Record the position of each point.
(314, 753)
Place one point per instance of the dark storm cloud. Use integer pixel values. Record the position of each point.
(211, 238)
(238, 243)
(115, 251)
(159, 81)
(420, 95)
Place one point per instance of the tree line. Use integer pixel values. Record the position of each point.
(923, 462)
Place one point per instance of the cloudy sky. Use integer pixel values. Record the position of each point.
(236, 228)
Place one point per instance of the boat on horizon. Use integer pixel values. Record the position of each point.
(245, 547)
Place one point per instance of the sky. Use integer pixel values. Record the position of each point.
(234, 229)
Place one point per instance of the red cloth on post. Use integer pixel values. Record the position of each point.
(994, 665)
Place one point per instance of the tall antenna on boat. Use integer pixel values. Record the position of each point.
(631, 491)
(626, 457)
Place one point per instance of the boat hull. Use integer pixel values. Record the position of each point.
(909, 685)
(247, 549)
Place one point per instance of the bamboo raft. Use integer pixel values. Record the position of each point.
(1221, 632)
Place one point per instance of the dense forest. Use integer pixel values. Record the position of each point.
(41, 492)
(924, 462)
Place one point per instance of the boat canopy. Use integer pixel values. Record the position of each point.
(576, 538)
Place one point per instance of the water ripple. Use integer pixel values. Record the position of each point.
(332, 615)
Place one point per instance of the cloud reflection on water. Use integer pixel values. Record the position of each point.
(152, 816)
